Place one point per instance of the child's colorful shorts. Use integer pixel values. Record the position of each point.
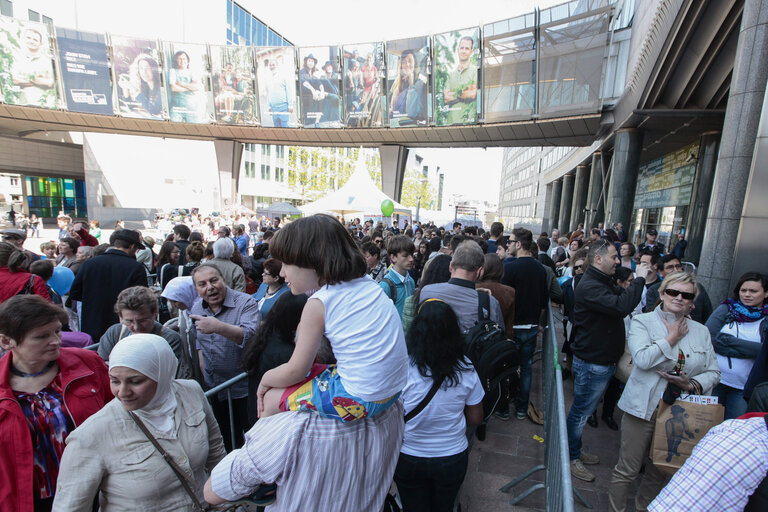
(323, 393)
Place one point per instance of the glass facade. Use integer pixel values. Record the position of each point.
(47, 196)
(247, 30)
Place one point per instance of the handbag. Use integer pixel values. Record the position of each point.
(624, 366)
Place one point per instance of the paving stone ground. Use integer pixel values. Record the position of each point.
(509, 450)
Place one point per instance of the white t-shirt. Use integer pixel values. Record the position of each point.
(735, 375)
(367, 338)
(439, 429)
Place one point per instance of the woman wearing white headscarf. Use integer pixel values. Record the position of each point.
(110, 454)
(181, 294)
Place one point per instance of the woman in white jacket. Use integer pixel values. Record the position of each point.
(110, 454)
(666, 348)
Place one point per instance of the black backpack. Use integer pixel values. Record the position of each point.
(494, 356)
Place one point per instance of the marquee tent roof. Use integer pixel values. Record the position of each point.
(358, 195)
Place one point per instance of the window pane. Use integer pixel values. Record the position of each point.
(6, 8)
(33, 15)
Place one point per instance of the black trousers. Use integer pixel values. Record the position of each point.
(430, 484)
(240, 413)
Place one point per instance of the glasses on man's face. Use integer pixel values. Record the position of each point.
(577, 267)
(674, 293)
(673, 268)
(378, 241)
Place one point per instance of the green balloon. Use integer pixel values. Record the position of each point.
(387, 207)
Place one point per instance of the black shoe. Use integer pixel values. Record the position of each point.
(592, 421)
(611, 422)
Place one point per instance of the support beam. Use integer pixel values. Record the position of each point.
(709, 144)
(594, 201)
(229, 153)
(625, 166)
(565, 203)
(735, 166)
(393, 160)
(554, 207)
(547, 223)
(580, 189)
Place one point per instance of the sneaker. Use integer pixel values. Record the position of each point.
(588, 458)
(521, 415)
(502, 415)
(579, 471)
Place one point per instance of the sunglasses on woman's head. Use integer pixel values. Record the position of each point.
(674, 293)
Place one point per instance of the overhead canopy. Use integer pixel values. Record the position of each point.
(358, 195)
(283, 208)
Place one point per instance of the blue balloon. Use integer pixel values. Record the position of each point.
(62, 280)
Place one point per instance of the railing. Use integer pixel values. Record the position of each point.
(226, 386)
(556, 467)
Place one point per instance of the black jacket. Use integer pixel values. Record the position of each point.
(97, 285)
(599, 309)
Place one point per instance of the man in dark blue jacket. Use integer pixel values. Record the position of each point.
(597, 341)
(101, 279)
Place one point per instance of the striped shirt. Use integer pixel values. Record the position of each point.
(723, 471)
(317, 463)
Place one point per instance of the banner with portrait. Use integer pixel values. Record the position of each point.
(276, 79)
(27, 73)
(84, 68)
(364, 101)
(457, 77)
(234, 85)
(319, 87)
(136, 68)
(187, 81)
(408, 99)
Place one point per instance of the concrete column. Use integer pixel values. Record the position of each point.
(626, 164)
(737, 146)
(554, 206)
(229, 153)
(580, 189)
(546, 221)
(393, 160)
(709, 143)
(594, 202)
(565, 203)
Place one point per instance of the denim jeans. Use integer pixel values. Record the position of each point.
(732, 399)
(589, 383)
(526, 342)
(430, 483)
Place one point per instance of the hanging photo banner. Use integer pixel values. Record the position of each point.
(187, 82)
(27, 75)
(276, 78)
(408, 82)
(234, 85)
(136, 66)
(364, 102)
(319, 86)
(85, 71)
(457, 77)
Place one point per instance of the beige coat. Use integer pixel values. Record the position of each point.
(109, 453)
(232, 272)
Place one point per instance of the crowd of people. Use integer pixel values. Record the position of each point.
(354, 338)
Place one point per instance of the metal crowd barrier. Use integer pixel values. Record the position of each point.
(226, 386)
(556, 467)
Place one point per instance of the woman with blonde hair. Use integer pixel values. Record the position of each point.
(668, 349)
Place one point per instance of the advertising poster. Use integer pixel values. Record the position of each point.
(319, 86)
(276, 78)
(136, 65)
(364, 103)
(187, 81)
(408, 82)
(234, 85)
(457, 76)
(85, 71)
(27, 75)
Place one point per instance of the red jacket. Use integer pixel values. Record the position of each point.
(12, 283)
(85, 383)
(87, 239)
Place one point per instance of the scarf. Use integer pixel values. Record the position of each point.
(181, 289)
(743, 314)
(151, 355)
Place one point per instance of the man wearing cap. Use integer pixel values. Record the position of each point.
(100, 280)
(17, 237)
(650, 244)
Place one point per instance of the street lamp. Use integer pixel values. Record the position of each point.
(422, 182)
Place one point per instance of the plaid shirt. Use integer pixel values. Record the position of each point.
(723, 471)
(378, 272)
(221, 356)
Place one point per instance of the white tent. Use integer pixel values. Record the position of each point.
(358, 195)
